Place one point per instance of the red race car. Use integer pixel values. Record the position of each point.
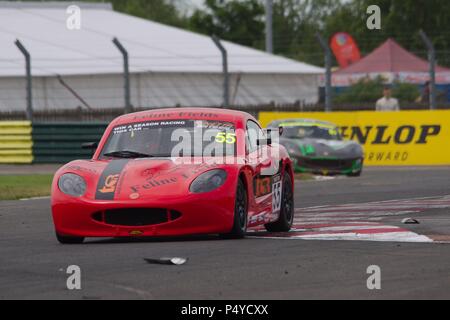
(176, 172)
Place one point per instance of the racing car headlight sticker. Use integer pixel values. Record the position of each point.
(310, 149)
(72, 185)
(208, 181)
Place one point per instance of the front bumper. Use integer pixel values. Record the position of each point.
(198, 214)
(328, 166)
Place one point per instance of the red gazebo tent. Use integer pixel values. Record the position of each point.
(393, 62)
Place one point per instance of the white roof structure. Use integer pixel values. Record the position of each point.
(153, 47)
(169, 66)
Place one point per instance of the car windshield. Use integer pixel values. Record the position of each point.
(312, 132)
(171, 138)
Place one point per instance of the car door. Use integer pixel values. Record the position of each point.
(263, 168)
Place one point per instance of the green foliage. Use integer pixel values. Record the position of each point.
(163, 11)
(406, 92)
(369, 91)
(236, 21)
(295, 25)
(401, 20)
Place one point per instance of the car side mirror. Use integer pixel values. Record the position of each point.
(280, 131)
(89, 146)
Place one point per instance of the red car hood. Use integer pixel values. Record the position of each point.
(137, 179)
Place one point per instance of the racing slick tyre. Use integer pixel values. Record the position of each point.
(286, 220)
(240, 214)
(355, 174)
(69, 240)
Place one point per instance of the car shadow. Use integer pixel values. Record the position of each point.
(195, 238)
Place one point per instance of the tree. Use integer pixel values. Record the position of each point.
(295, 25)
(370, 90)
(163, 11)
(401, 20)
(237, 21)
(297, 21)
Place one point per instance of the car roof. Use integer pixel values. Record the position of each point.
(185, 113)
(301, 122)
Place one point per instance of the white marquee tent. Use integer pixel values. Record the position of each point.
(168, 66)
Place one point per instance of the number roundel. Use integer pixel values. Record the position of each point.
(228, 138)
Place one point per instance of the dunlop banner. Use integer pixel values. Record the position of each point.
(389, 138)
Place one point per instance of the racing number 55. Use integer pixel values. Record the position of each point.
(228, 138)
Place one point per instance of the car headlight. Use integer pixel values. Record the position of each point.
(209, 181)
(72, 185)
(293, 150)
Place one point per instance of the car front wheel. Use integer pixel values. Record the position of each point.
(357, 173)
(240, 214)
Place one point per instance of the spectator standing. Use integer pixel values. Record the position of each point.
(425, 96)
(387, 103)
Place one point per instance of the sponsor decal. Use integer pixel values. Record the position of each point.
(168, 115)
(109, 180)
(110, 184)
(137, 127)
(262, 186)
(154, 183)
(134, 196)
(155, 177)
(378, 135)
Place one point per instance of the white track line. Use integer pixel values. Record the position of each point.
(335, 222)
(36, 198)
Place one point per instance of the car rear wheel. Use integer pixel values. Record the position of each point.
(69, 240)
(240, 214)
(286, 219)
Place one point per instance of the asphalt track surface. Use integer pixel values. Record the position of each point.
(33, 264)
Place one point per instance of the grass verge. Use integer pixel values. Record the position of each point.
(17, 187)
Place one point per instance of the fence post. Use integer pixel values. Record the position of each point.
(226, 76)
(269, 26)
(126, 75)
(328, 85)
(27, 56)
(432, 61)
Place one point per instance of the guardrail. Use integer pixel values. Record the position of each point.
(24, 143)
(61, 142)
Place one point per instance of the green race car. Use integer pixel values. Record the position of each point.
(317, 147)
